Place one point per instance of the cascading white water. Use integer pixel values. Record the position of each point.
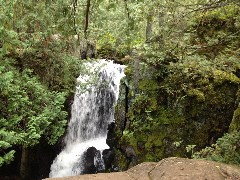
(92, 111)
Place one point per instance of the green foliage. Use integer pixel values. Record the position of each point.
(216, 30)
(226, 149)
(187, 75)
(37, 72)
(109, 47)
(7, 158)
(146, 114)
(55, 68)
(28, 112)
(148, 145)
(196, 93)
(190, 148)
(197, 77)
(38, 36)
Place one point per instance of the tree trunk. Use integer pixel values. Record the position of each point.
(87, 18)
(149, 27)
(130, 27)
(75, 3)
(24, 164)
(160, 34)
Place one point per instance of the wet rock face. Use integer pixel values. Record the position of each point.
(111, 140)
(108, 157)
(92, 161)
(105, 101)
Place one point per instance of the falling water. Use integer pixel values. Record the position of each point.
(92, 111)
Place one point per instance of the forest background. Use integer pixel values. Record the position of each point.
(183, 71)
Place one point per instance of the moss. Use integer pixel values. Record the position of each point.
(128, 71)
(222, 13)
(235, 124)
(148, 85)
(155, 139)
(167, 116)
(196, 93)
(152, 133)
(154, 156)
(121, 161)
(153, 145)
(128, 139)
(193, 104)
(222, 76)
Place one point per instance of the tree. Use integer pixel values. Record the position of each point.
(29, 112)
(87, 18)
(37, 73)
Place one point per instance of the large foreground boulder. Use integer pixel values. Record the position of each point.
(169, 168)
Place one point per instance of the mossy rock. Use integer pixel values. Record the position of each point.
(196, 93)
(120, 161)
(222, 76)
(154, 145)
(193, 105)
(148, 85)
(235, 124)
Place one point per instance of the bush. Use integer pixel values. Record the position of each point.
(226, 150)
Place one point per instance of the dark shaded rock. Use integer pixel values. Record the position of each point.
(111, 140)
(108, 157)
(88, 161)
(10, 178)
(140, 145)
(87, 49)
(130, 153)
(92, 161)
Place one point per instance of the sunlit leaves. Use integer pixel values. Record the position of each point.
(7, 158)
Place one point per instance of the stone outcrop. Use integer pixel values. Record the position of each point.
(159, 115)
(169, 168)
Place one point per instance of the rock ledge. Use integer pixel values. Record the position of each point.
(170, 168)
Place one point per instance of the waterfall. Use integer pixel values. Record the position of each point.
(92, 111)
